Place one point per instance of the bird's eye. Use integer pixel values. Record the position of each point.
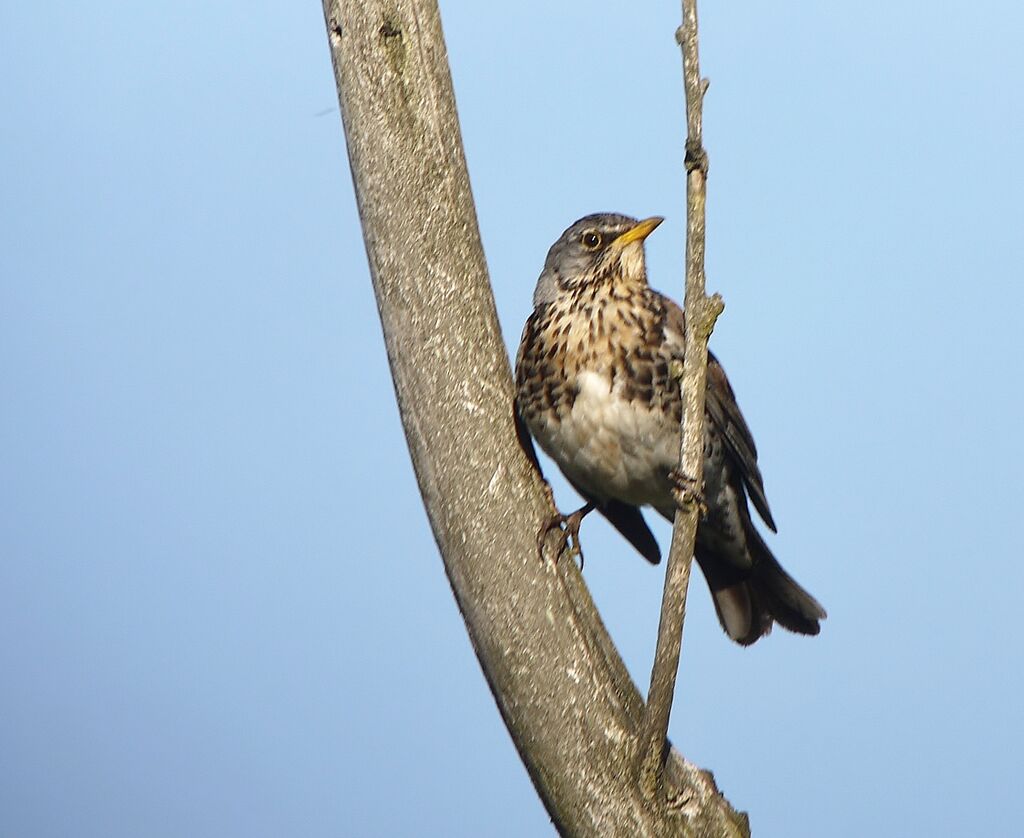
(591, 240)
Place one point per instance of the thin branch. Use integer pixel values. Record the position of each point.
(701, 313)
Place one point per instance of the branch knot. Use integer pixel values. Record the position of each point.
(696, 159)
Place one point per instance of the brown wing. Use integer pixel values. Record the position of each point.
(725, 413)
(721, 408)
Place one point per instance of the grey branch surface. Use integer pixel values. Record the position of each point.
(701, 313)
(561, 687)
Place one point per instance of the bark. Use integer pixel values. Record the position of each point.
(564, 693)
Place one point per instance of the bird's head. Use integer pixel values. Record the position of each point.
(598, 248)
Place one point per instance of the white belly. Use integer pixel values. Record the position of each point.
(613, 448)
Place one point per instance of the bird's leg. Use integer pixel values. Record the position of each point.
(568, 527)
(686, 491)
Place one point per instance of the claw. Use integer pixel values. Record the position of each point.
(686, 491)
(568, 538)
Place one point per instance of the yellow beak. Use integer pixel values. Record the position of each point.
(640, 232)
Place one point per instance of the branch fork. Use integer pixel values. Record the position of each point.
(567, 699)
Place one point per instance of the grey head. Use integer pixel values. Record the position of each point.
(593, 249)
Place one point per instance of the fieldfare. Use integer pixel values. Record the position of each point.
(594, 388)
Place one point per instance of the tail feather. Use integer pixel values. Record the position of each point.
(749, 602)
(785, 600)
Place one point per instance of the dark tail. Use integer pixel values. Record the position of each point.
(749, 602)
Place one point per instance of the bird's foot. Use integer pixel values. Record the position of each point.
(686, 491)
(568, 538)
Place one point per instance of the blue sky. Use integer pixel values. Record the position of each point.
(221, 608)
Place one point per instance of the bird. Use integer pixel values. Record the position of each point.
(595, 387)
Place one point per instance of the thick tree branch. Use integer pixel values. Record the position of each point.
(564, 694)
(701, 313)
